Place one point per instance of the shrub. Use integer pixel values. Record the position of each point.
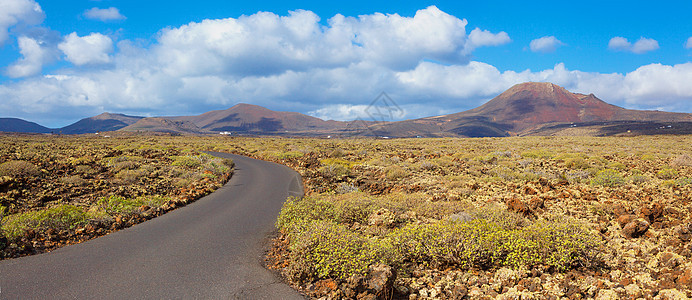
(682, 160)
(190, 161)
(667, 174)
(576, 163)
(73, 180)
(121, 206)
(608, 178)
(18, 168)
(395, 172)
(329, 250)
(480, 243)
(638, 179)
(684, 181)
(58, 217)
(129, 176)
(334, 170)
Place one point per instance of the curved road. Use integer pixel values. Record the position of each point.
(210, 249)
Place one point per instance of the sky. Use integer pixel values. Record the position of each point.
(61, 61)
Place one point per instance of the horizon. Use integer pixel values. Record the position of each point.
(241, 103)
(62, 62)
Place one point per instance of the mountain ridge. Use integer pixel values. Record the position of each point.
(530, 108)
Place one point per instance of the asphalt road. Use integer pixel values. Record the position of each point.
(210, 249)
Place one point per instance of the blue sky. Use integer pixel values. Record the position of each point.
(65, 60)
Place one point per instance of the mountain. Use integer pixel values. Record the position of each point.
(528, 108)
(158, 124)
(19, 125)
(531, 108)
(102, 122)
(248, 118)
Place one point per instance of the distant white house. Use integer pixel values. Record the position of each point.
(225, 133)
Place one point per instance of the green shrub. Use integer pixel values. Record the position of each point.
(576, 163)
(190, 161)
(329, 250)
(479, 243)
(19, 168)
(129, 176)
(334, 171)
(608, 178)
(116, 205)
(684, 181)
(667, 174)
(395, 172)
(58, 217)
(73, 180)
(296, 213)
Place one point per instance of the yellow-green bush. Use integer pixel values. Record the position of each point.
(18, 168)
(608, 178)
(395, 172)
(58, 217)
(667, 174)
(328, 250)
(119, 205)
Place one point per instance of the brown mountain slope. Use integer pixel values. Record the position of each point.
(102, 122)
(252, 118)
(165, 125)
(524, 108)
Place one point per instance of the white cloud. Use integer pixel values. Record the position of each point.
(545, 44)
(15, 12)
(104, 14)
(89, 49)
(34, 55)
(299, 42)
(688, 44)
(619, 43)
(643, 45)
(480, 38)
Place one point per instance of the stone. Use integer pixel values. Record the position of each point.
(380, 280)
(636, 228)
(625, 218)
(518, 206)
(382, 217)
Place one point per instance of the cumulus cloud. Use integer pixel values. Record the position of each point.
(34, 55)
(480, 38)
(104, 14)
(545, 44)
(17, 12)
(298, 42)
(89, 49)
(688, 44)
(643, 45)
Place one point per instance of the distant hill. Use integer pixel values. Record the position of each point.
(19, 125)
(166, 125)
(248, 118)
(529, 108)
(102, 122)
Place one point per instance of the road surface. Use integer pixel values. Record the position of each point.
(210, 249)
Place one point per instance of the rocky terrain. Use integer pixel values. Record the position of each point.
(628, 199)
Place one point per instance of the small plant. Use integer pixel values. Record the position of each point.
(666, 174)
(395, 172)
(608, 178)
(59, 217)
(682, 160)
(18, 168)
